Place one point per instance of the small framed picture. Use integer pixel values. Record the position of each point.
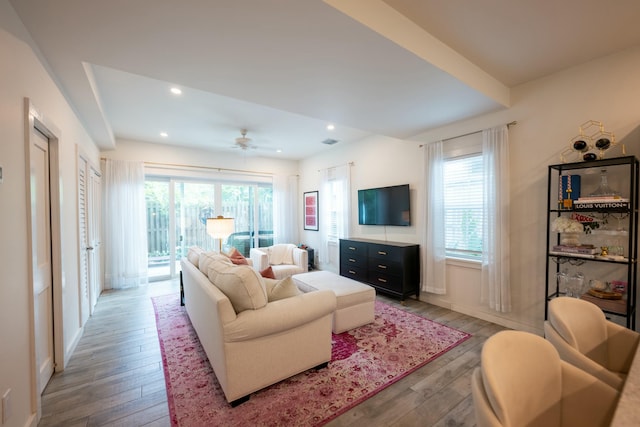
(311, 210)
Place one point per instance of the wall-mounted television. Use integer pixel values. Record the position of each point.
(384, 206)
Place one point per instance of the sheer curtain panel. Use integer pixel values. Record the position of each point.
(335, 208)
(495, 282)
(285, 209)
(433, 254)
(125, 224)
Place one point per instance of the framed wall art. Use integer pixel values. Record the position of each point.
(311, 210)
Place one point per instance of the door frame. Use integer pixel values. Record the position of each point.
(36, 120)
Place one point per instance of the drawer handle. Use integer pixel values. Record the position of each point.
(351, 248)
(352, 260)
(381, 280)
(384, 267)
(352, 272)
(382, 253)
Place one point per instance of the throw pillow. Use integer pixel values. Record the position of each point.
(268, 273)
(281, 289)
(237, 258)
(240, 283)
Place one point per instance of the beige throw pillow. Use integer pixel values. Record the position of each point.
(280, 289)
(240, 283)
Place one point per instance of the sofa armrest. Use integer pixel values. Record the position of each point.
(280, 316)
(259, 259)
(301, 258)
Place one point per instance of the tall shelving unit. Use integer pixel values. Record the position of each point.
(621, 224)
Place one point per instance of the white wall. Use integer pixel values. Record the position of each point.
(24, 76)
(377, 162)
(549, 112)
(168, 154)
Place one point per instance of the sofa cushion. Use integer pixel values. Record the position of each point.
(281, 289)
(240, 283)
(267, 273)
(206, 258)
(193, 254)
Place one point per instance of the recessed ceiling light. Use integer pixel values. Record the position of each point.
(330, 126)
(176, 91)
(278, 150)
(164, 134)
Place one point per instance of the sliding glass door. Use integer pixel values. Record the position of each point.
(159, 247)
(194, 203)
(177, 212)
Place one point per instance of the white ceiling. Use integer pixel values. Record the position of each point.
(284, 69)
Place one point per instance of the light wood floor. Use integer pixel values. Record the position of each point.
(115, 375)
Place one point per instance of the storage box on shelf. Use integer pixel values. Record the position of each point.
(602, 195)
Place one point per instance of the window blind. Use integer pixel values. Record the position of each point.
(463, 206)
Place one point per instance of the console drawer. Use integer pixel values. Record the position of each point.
(384, 266)
(353, 248)
(353, 258)
(386, 281)
(353, 272)
(385, 252)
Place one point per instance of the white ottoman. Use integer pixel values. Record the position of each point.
(355, 300)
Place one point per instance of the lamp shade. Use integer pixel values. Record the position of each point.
(220, 227)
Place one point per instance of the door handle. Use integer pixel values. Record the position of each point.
(89, 248)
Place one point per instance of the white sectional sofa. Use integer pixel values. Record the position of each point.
(252, 342)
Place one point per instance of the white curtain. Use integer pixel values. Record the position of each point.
(285, 209)
(335, 208)
(125, 224)
(433, 254)
(495, 283)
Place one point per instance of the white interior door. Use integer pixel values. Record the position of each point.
(85, 245)
(41, 253)
(89, 209)
(94, 210)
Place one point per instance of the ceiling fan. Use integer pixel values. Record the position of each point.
(243, 142)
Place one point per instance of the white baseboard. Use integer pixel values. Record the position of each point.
(483, 315)
(70, 349)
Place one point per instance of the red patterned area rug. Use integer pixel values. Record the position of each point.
(364, 361)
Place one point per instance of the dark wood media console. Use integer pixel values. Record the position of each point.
(391, 267)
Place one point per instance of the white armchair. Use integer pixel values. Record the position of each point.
(285, 259)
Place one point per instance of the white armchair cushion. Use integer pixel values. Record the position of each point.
(240, 283)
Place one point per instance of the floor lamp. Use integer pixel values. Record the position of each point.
(220, 228)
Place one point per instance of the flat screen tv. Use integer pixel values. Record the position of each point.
(384, 206)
